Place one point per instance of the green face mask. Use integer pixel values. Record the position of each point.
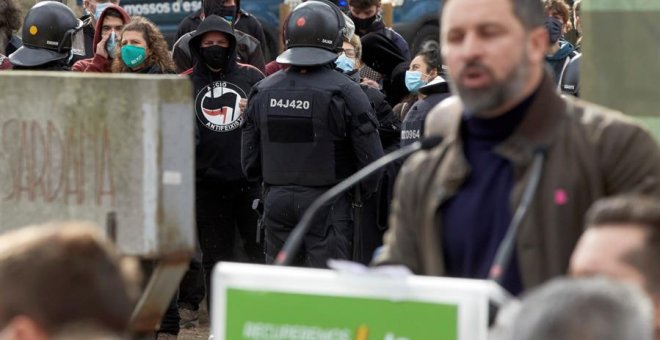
(133, 55)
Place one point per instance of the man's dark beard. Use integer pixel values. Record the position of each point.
(479, 101)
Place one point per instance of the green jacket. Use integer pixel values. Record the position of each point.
(591, 152)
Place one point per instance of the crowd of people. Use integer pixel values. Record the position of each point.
(503, 196)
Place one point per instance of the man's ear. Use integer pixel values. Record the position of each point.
(537, 43)
(23, 328)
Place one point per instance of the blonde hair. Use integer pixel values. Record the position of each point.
(357, 45)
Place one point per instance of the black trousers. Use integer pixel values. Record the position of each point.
(222, 210)
(191, 288)
(331, 232)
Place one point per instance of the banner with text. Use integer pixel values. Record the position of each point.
(255, 302)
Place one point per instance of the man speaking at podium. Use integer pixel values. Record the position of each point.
(517, 162)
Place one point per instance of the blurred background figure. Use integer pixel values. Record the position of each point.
(561, 53)
(622, 242)
(63, 281)
(10, 22)
(570, 309)
(231, 11)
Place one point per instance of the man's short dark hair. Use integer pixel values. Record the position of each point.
(363, 4)
(432, 59)
(111, 12)
(595, 308)
(635, 211)
(61, 276)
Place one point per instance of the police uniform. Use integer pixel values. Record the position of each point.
(306, 129)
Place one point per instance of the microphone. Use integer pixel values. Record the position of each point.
(285, 256)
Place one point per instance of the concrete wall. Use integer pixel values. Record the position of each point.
(76, 146)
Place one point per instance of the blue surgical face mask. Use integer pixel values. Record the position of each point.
(99, 9)
(344, 63)
(133, 56)
(111, 44)
(414, 81)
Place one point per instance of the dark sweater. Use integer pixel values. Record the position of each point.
(476, 219)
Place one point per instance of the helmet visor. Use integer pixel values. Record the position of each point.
(76, 36)
(78, 43)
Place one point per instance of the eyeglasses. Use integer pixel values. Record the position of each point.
(350, 52)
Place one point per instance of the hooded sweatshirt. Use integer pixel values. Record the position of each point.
(216, 104)
(99, 63)
(559, 61)
(244, 21)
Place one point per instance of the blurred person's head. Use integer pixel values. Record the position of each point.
(10, 21)
(142, 45)
(423, 68)
(570, 309)
(622, 241)
(59, 279)
(95, 7)
(494, 51)
(363, 13)
(577, 16)
(226, 9)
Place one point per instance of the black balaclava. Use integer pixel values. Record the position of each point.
(215, 56)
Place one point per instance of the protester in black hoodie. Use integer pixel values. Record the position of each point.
(232, 12)
(224, 196)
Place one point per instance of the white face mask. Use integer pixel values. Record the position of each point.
(99, 10)
(345, 63)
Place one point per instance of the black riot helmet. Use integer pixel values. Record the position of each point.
(313, 34)
(49, 31)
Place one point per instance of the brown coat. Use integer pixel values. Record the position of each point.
(591, 152)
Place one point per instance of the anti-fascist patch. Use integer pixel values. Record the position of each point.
(216, 106)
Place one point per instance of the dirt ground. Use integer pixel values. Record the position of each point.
(198, 333)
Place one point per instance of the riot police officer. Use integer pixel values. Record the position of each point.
(50, 31)
(307, 128)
